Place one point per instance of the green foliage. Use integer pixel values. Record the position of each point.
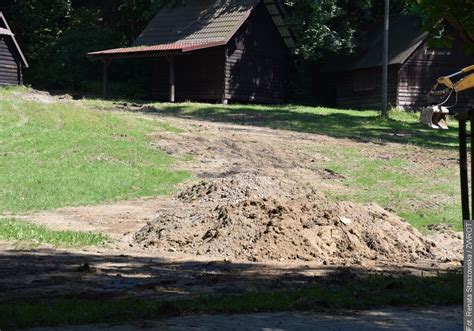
(71, 67)
(56, 35)
(443, 19)
(27, 232)
(334, 27)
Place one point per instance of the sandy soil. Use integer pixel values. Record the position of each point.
(253, 217)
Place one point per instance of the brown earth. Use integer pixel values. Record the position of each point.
(246, 217)
(257, 197)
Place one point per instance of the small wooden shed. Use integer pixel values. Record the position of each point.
(413, 69)
(214, 50)
(12, 60)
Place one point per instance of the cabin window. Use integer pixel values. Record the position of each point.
(365, 80)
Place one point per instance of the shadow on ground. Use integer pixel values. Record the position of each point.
(49, 287)
(360, 126)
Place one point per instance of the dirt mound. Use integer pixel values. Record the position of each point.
(243, 217)
(236, 188)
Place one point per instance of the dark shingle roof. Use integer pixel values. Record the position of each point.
(207, 20)
(405, 36)
(196, 20)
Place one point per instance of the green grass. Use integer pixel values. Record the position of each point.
(351, 293)
(27, 232)
(367, 125)
(422, 197)
(64, 154)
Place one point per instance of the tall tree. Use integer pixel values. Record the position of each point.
(443, 18)
(329, 27)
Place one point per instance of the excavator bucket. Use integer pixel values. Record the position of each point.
(435, 117)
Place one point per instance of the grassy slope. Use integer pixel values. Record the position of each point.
(407, 188)
(63, 154)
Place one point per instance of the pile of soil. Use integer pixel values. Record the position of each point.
(247, 217)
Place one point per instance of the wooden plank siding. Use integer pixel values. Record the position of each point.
(419, 73)
(257, 61)
(10, 68)
(351, 95)
(199, 76)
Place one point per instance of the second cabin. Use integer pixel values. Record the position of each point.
(413, 69)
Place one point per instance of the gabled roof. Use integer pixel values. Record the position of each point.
(405, 36)
(207, 23)
(196, 20)
(6, 31)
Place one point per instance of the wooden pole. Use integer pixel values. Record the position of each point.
(172, 77)
(105, 79)
(385, 60)
(463, 170)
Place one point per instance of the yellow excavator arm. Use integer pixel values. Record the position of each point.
(467, 82)
(463, 84)
(435, 115)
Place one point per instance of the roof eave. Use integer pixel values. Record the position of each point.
(149, 51)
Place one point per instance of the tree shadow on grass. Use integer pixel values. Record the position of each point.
(351, 125)
(49, 287)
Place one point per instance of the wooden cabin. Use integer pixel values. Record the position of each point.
(214, 50)
(413, 69)
(12, 60)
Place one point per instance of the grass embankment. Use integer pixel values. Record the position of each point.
(420, 196)
(26, 232)
(68, 154)
(356, 293)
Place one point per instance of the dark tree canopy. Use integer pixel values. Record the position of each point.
(444, 18)
(56, 34)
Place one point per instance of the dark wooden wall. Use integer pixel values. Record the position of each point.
(199, 76)
(257, 61)
(419, 73)
(10, 65)
(362, 88)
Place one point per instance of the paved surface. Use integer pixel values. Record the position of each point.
(429, 319)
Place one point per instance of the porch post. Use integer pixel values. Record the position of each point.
(172, 83)
(105, 78)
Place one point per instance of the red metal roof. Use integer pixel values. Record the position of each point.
(179, 46)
